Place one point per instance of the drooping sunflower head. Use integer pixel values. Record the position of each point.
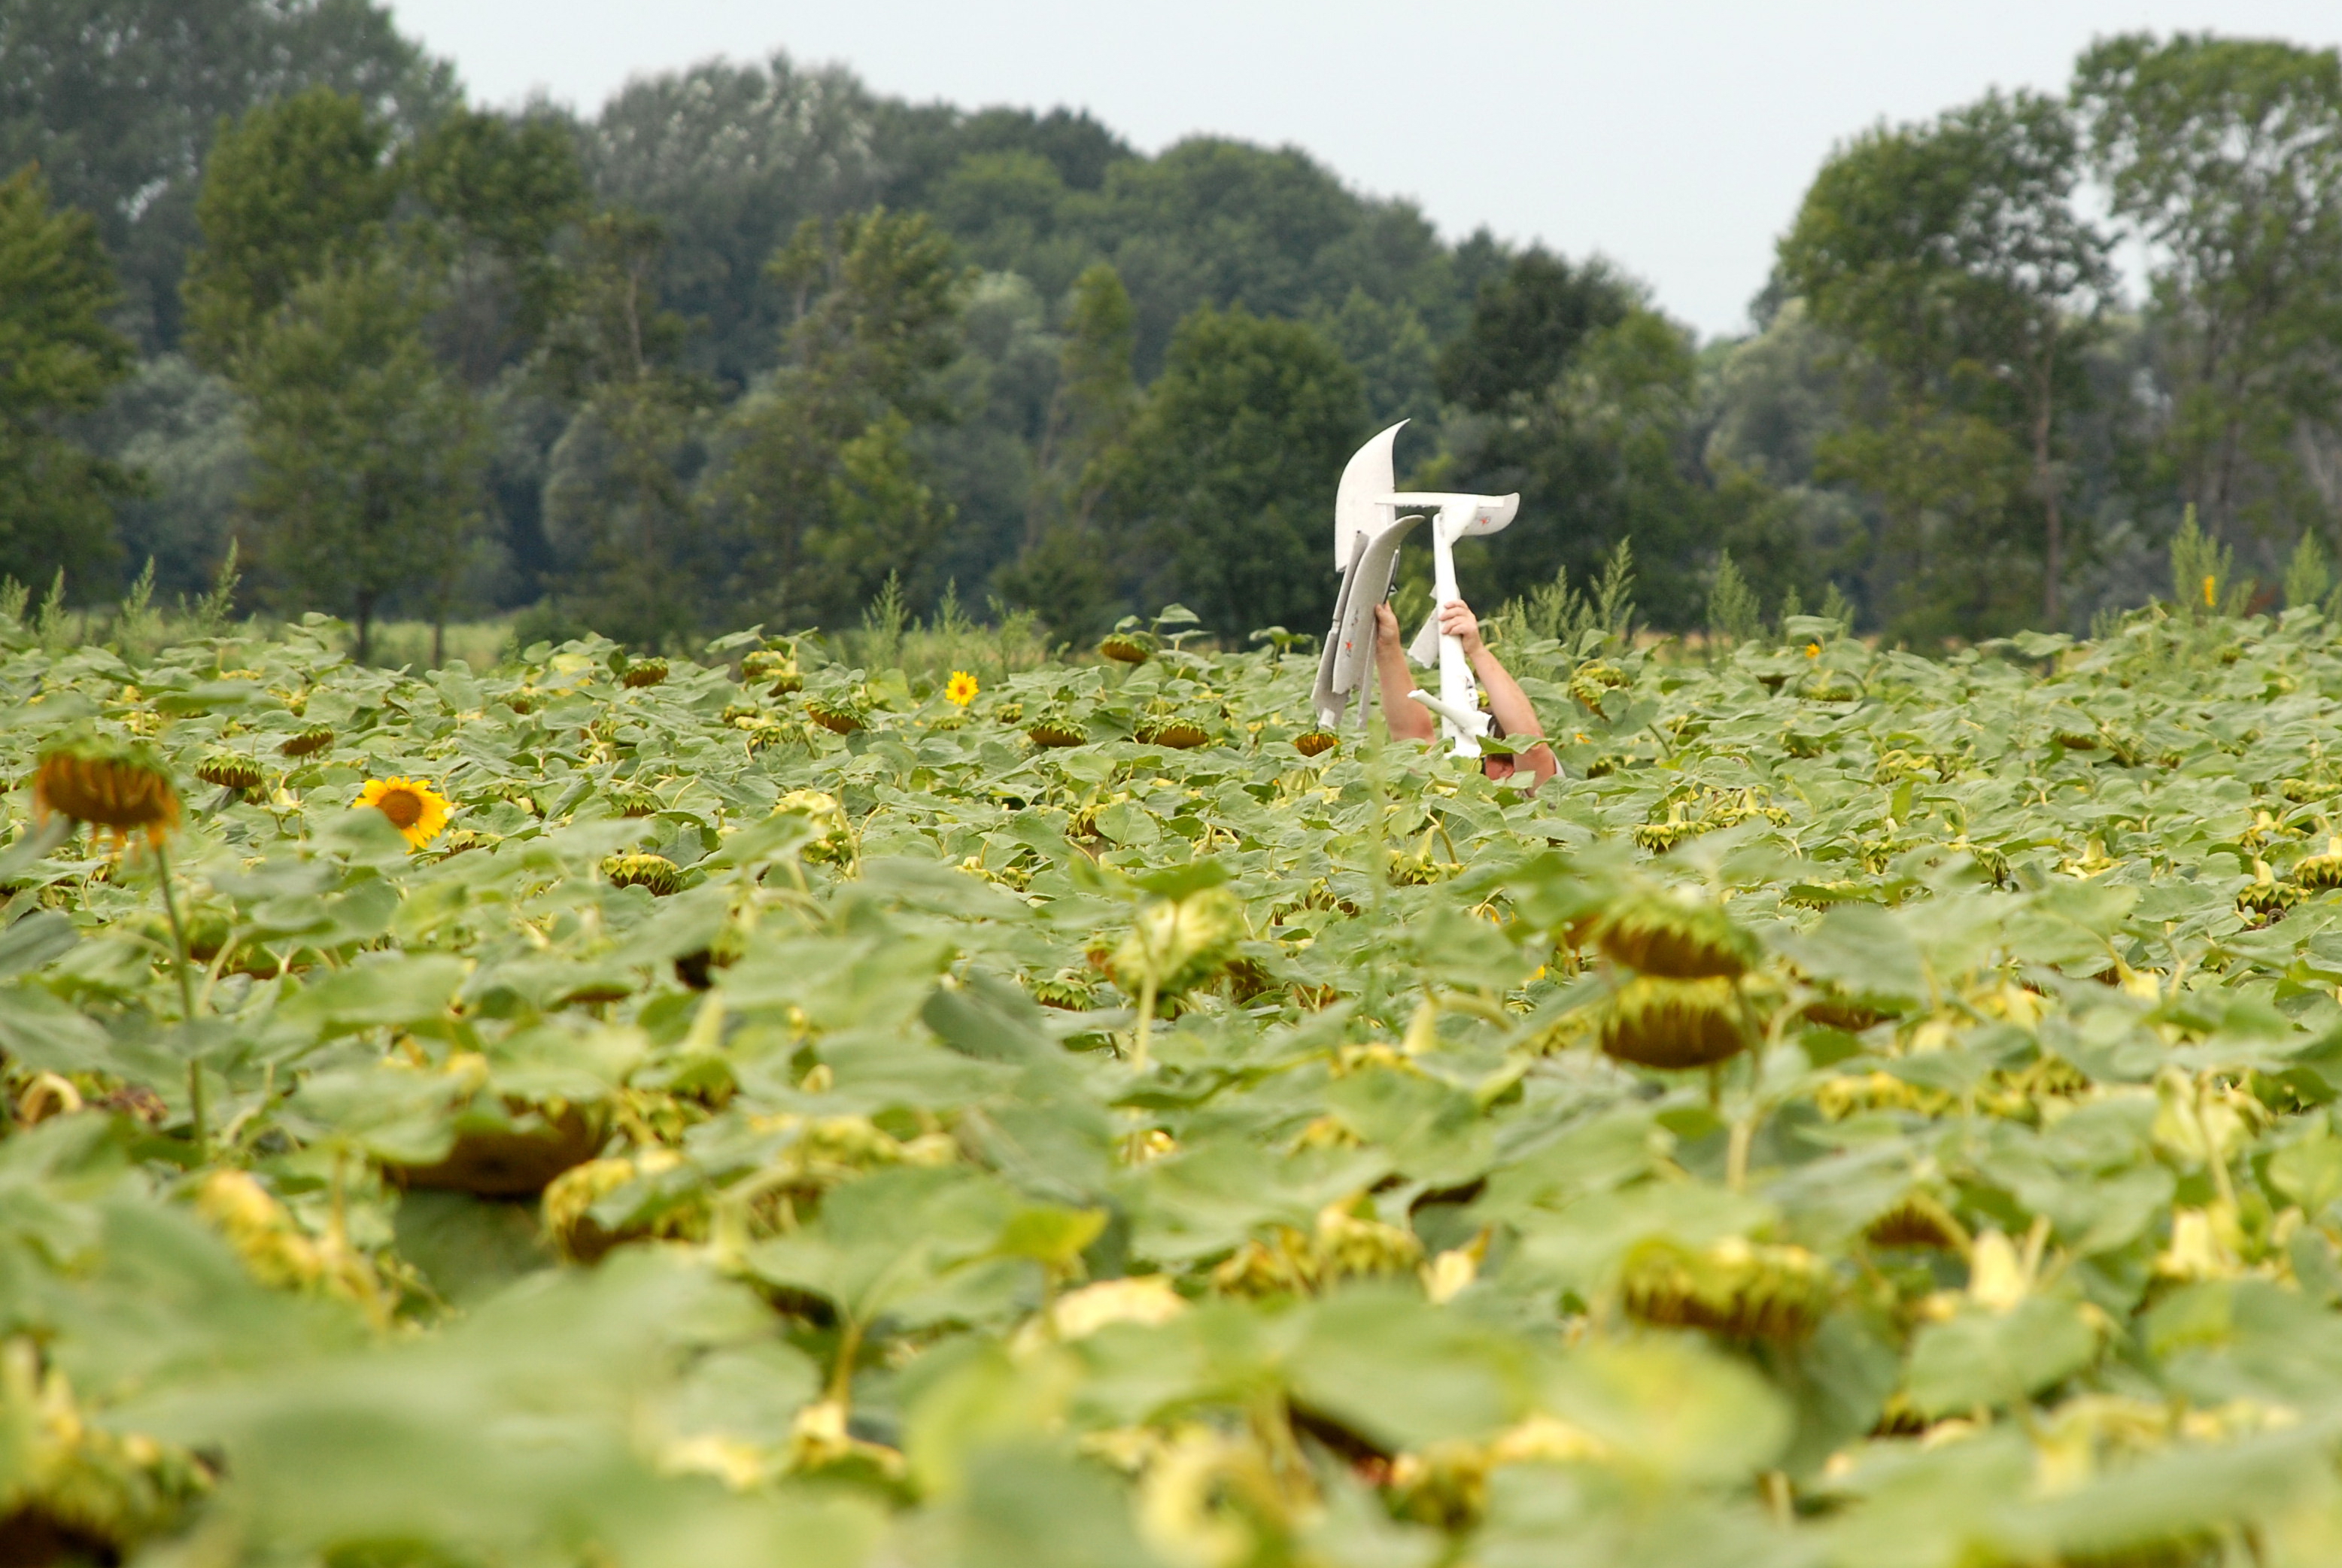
(417, 809)
(960, 688)
(764, 663)
(2324, 870)
(230, 771)
(661, 875)
(645, 672)
(1052, 731)
(1127, 648)
(1741, 1290)
(840, 716)
(1660, 934)
(307, 741)
(1179, 734)
(634, 800)
(1656, 1021)
(118, 785)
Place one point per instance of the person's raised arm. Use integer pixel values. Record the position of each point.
(1405, 720)
(1506, 700)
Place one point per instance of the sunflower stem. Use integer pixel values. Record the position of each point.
(187, 995)
(1139, 1046)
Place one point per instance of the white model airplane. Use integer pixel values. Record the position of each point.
(1370, 519)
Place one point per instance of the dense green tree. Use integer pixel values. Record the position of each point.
(1393, 350)
(58, 357)
(1222, 222)
(180, 428)
(1062, 570)
(628, 549)
(986, 457)
(1097, 398)
(1769, 405)
(731, 159)
(1526, 325)
(498, 195)
(819, 485)
(1226, 476)
(1583, 399)
(294, 188)
(2225, 155)
(368, 449)
(472, 217)
(923, 146)
(119, 100)
(1950, 256)
(1208, 221)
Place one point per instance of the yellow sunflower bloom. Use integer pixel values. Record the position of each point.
(960, 688)
(415, 809)
(1813, 650)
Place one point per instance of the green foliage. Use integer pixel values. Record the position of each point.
(2308, 575)
(989, 1153)
(1223, 476)
(123, 126)
(180, 428)
(625, 533)
(1581, 623)
(619, 512)
(292, 190)
(930, 649)
(58, 358)
(2226, 156)
(2203, 574)
(1527, 328)
(1734, 615)
(500, 195)
(1589, 399)
(818, 484)
(1061, 571)
(1951, 258)
(367, 450)
(729, 160)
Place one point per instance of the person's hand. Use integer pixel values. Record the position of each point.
(1385, 623)
(1457, 621)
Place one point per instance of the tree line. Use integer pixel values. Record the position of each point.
(752, 341)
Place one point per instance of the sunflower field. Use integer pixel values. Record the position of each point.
(1867, 1112)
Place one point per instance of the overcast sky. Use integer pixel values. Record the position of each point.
(1675, 138)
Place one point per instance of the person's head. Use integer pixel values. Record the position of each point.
(1496, 765)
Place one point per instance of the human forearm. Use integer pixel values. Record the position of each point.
(1510, 707)
(1506, 700)
(1405, 720)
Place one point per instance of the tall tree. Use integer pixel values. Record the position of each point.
(1526, 325)
(313, 217)
(1062, 570)
(498, 195)
(819, 483)
(1095, 399)
(119, 99)
(2225, 155)
(1951, 257)
(368, 449)
(1224, 474)
(291, 189)
(618, 506)
(57, 357)
(730, 158)
(1581, 398)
